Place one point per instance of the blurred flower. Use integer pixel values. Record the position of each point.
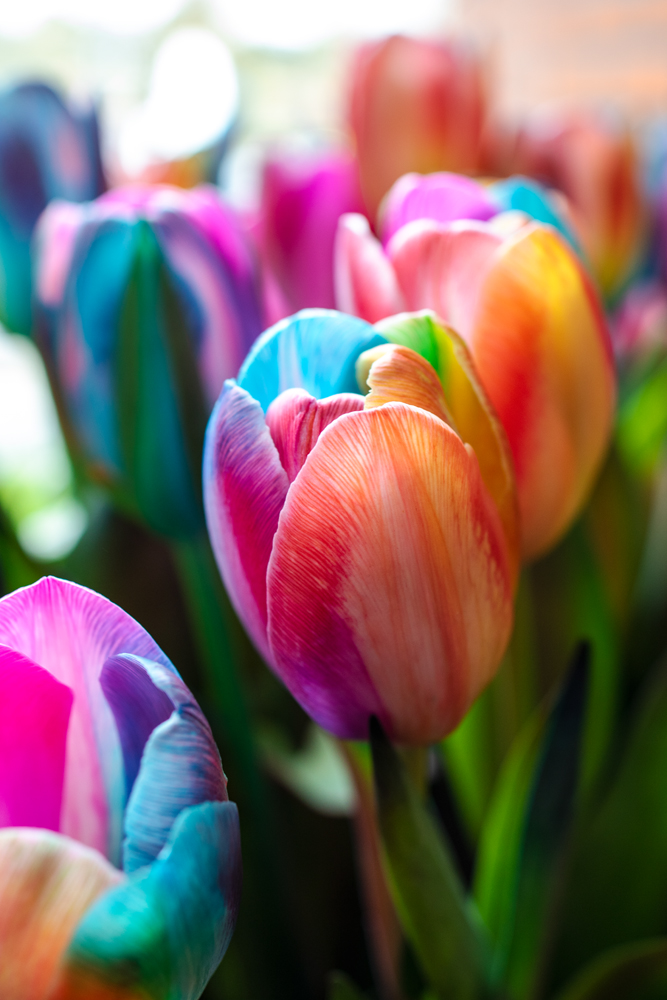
(639, 325)
(523, 303)
(597, 168)
(148, 300)
(302, 199)
(47, 150)
(369, 544)
(107, 761)
(415, 105)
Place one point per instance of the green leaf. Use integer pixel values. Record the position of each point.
(642, 416)
(634, 972)
(342, 988)
(440, 924)
(618, 888)
(523, 844)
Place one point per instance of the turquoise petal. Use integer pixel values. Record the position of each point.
(525, 195)
(315, 350)
(164, 931)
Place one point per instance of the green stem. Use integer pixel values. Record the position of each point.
(224, 649)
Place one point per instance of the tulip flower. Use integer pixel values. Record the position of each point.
(120, 861)
(302, 199)
(520, 298)
(368, 543)
(597, 169)
(47, 150)
(148, 300)
(415, 105)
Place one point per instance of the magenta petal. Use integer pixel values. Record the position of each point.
(71, 631)
(245, 487)
(296, 419)
(442, 197)
(34, 716)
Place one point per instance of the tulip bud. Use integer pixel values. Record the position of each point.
(415, 106)
(47, 151)
(369, 548)
(597, 169)
(119, 850)
(149, 300)
(521, 300)
(302, 199)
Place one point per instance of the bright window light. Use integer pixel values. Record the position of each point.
(303, 24)
(123, 17)
(192, 99)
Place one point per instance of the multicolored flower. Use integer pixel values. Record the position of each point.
(368, 543)
(120, 867)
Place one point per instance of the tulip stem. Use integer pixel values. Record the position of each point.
(224, 649)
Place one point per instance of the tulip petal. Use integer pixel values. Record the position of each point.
(366, 284)
(525, 195)
(47, 882)
(315, 350)
(543, 352)
(442, 197)
(165, 930)
(442, 267)
(34, 716)
(244, 490)
(391, 579)
(179, 761)
(398, 374)
(71, 631)
(471, 412)
(296, 420)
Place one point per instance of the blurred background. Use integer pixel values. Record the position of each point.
(169, 77)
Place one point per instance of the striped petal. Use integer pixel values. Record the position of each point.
(389, 589)
(245, 487)
(34, 716)
(47, 883)
(397, 374)
(366, 284)
(179, 764)
(470, 411)
(315, 350)
(70, 632)
(163, 932)
(442, 197)
(296, 420)
(542, 349)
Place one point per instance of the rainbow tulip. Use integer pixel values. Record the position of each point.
(520, 298)
(47, 150)
(302, 199)
(148, 300)
(415, 105)
(120, 866)
(369, 544)
(597, 168)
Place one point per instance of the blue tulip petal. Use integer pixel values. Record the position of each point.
(165, 930)
(525, 195)
(315, 350)
(170, 757)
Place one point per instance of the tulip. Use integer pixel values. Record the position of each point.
(120, 861)
(302, 199)
(368, 544)
(415, 105)
(522, 302)
(148, 300)
(47, 150)
(597, 168)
